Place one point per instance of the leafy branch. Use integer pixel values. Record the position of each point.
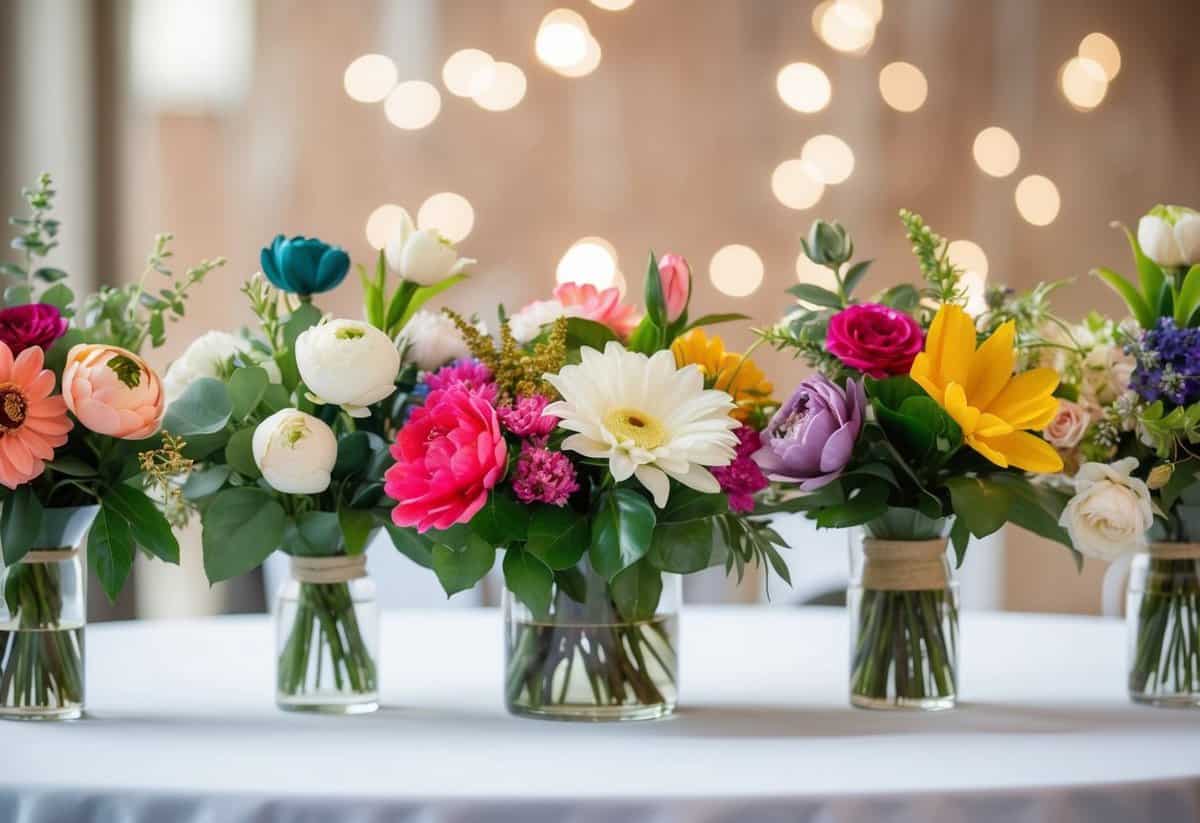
(932, 252)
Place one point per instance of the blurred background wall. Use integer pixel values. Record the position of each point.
(228, 121)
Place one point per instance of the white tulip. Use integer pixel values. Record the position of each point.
(1110, 512)
(431, 340)
(208, 356)
(423, 256)
(1170, 236)
(295, 452)
(347, 363)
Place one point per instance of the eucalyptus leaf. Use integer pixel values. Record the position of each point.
(242, 527)
(203, 408)
(239, 453)
(246, 388)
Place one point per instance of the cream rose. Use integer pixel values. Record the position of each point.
(431, 340)
(1068, 426)
(347, 363)
(295, 452)
(1110, 512)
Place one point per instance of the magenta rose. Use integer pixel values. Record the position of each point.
(34, 324)
(875, 339)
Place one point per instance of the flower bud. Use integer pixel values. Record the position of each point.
(295, 452)
(675, 275)
(422, 256)
(1160, 475)
(1170, 236)
(347, 363)
(828, 244)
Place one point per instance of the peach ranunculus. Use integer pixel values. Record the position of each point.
(585, 300)
(113, 391)
(1068, 427)
(32, 423)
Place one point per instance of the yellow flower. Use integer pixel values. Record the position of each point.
(734, 374)
(978, 389)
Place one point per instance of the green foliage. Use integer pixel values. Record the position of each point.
(1158, 292)
(459, 568)
(1162, 430)
(622, 528)
(557, 536)
(637, 590)
(241, 527)
(147, 524)
(529, 579)
(205, 407)
(943, 278)
(110, 550)
(20, 522)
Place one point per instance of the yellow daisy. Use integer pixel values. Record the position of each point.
(735, 374)
(977, 387)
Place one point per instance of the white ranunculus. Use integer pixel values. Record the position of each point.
(431, 340)
(1110, 512)
(423, 256)
(295, 452)
(347, 363)
(1170, 236)
(207, 356)
(529, 321)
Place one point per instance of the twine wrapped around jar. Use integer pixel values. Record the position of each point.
(1175, 551)
(48, 555)
(904, 565)
(337, 569)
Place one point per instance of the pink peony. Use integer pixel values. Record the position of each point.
(112, 391)
(524, 418)
(874, 339)
(544, 476)
(468, 374)
(34, 324)
(676, 278)
(449, 454)
(742, 478)
(583, 300)
(1068, 427)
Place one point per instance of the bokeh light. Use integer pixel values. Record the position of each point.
(803, 87)
(1084, 82)
(382, 223)
(468, 72)
(369, 78)
(562, 39)
(1037, 200)
(997, 152)
(506, 91)
(831, 156)
(968, 256)
(449, 213)
(413, 104)
(1102, 49)
(589, 63)
(796, 184)
(589, 260)
(903, 86)
(736, 270)
(975, 285)
(814, 273)
(844, 26)
(612, 5)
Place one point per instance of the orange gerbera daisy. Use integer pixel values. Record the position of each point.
(32, 423)
(735, 374)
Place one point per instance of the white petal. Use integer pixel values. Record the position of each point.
(655, 482)
(620, 466)
(698, 478)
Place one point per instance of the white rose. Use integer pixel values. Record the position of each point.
(207, 356)
(1110, 512)
(529, 321)
(295, 452)
(1170, 236)
(347, 363)
(1069, 425)
(431, 340)
(423, 256)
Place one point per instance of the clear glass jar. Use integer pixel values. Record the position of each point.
(585, 661)
(903, 608)
(42, 617)
(1162, 616)
(327, 645)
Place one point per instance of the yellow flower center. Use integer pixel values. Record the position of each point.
(12, 408)
(632, 424)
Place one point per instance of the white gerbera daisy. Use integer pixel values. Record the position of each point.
(649, 419)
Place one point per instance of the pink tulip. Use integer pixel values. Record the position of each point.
(112, 391)
(676, 277)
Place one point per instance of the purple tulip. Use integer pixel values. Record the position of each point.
(810, 439)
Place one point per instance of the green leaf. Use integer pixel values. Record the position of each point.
(582, 332)
(1037, 508)
(622, 529)
(312, 534)
(1150, 276)
(422, 296)
(203, 408)
(20, 522)
(714, 319)
(854, 276)
(459, 569)
(636, 591)
(529, 579)
(1189, 297)
(301, 320)
(410, 544)
(206, 481)
(241, 527)
(357, 526)
(903, 297)
(60, 296)
(353, 454)
(681, 548)
(656, 304)
(398, 305)
(502, 520)
(275, 398)
(815, 295)
(239, 453)
(646, 338)
(688, 504)
(1183, 474)
(18, 296)
(1138, 307)
(49, 275)
(149, 527)
(982, 505)
(869, 503)
(557, 536)
(72, 466)
(246, 388)
(110, 550)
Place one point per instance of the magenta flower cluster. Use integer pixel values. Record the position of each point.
(742, 478)
(467, 374)
(543, 476)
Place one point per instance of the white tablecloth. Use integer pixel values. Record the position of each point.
(182, 727)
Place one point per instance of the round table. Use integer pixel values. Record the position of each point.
(181, 727)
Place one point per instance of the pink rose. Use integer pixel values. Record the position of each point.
(676, 278)
(112, 391)
(874, 339)
(584, 300)
(449, 454)
(1068, 427)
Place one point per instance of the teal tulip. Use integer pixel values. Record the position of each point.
(304, 265)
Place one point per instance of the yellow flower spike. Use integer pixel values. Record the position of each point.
(977, 388)
(735, 374)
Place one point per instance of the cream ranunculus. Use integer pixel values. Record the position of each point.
(347, 363)
(431, 340)
(1069, 425)
(423, 256)
(209, 355)
(1170, 236)
(529, 321)
(1110, 512)
(295, 452)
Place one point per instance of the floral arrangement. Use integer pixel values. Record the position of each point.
(80, 413)
(290, 424)
(919, 424)
(599, 448)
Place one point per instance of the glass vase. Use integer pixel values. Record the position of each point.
(903, 606)
(1162, 616)
(584, 661)
(42, 619)
(327, 637)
